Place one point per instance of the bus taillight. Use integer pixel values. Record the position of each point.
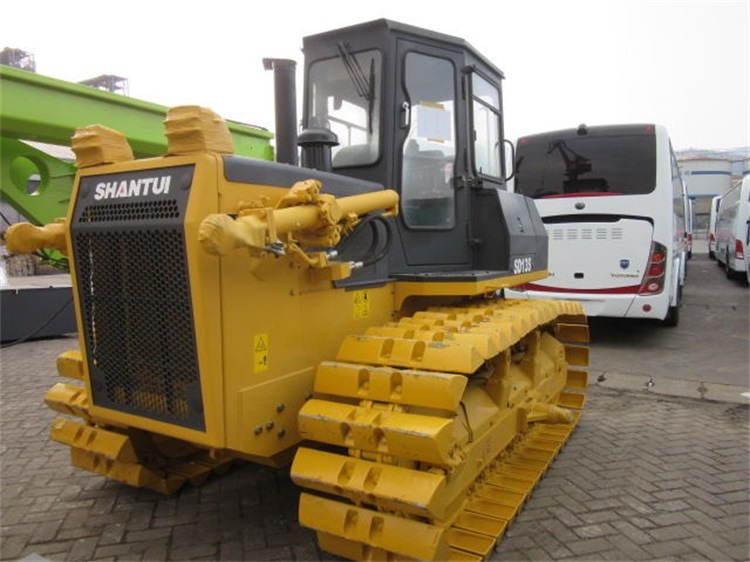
(658, 253)
(655, 270)
(653, 279)
(739, 251)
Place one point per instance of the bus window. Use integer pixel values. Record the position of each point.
(586, 165)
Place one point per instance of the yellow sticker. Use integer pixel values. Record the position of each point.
(260, 353)
(361, 304)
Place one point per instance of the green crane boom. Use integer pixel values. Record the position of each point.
(44, 109)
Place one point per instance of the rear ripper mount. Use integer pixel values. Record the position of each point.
(434, 463)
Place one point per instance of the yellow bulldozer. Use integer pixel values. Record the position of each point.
(345, 315)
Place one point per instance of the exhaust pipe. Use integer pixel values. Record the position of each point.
(285, 99)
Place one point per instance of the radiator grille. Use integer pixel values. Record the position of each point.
(136, 307)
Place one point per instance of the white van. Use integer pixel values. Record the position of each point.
(689, 223)
(732, 235)
(615, 208)
(713, 215)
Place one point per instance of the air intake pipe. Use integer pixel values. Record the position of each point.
(285, 94)
(315, 147)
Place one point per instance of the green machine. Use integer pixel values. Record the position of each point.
(36, 180)
(43, 109)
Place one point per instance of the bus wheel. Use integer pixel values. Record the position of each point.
(728, 268)
(673, 312)
(673, 317)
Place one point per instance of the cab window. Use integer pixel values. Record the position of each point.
(486, 113)
(345, 99)
(429, 152)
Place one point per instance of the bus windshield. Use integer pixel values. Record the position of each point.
(555, 165)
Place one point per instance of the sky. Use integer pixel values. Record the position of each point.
(682, 64)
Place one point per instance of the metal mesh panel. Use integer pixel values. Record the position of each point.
(137, 314)
(137, 211)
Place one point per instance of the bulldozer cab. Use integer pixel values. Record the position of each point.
(416, 111)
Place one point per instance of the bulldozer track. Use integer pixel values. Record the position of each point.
(437, 428)
(137, 458)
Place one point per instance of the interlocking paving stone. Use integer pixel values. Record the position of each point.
(644, 477)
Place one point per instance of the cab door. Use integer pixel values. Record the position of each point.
(428, 152)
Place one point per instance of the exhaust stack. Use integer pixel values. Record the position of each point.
(285, 95)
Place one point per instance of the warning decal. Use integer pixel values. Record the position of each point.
(260, 353)
(361, 304)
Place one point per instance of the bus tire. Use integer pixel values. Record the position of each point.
(673, 317)
(673, 312)
(728, 269)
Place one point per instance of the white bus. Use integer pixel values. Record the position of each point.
(712, 216)
(732, 234)
(614, 205)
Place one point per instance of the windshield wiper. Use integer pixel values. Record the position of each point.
(365, 87)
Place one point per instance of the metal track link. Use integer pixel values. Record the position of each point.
(446, 421)
(139, 459)
(166, 480)
(505, 490)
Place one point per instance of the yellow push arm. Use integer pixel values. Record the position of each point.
(312, 218)
(25, 238)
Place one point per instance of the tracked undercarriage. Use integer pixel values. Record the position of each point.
(441, 426)
(435, 430)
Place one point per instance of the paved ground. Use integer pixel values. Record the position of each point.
(644, 477)
(708, 349)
